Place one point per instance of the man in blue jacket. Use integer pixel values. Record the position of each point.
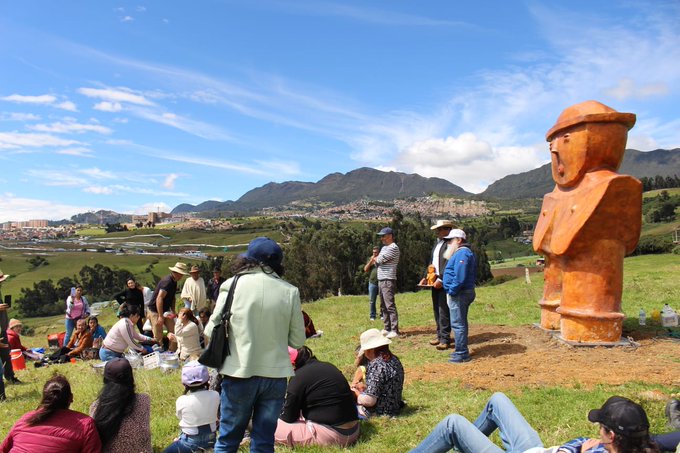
(459, 282)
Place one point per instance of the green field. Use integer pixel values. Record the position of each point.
(655, 193)
(557, 412)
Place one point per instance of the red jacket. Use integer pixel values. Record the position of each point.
(14, 340)
(66, 431)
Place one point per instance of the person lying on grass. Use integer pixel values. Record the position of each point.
(623, 428)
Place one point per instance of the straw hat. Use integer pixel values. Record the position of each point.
(14, 322)
(372, 339)
(3, 277)
(180, 268)
(442, 224)
(194, 269)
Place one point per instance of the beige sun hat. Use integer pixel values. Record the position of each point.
(195, 269)
(372, 339)
(13, 323)
(3, 277)
(441, 223)
(180, 268)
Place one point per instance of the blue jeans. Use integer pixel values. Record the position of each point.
(372, 296)
(259, 397)
(458, 310)
(204, 440)
(106, 354)
(70, 325)
(455, 431)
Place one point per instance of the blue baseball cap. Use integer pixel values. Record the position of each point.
(386, 230)
(266, 251)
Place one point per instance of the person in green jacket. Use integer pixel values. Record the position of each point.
(266, 319)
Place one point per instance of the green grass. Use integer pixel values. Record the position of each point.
(655, 193)
(557, 413)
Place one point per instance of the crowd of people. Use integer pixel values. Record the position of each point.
(272, 389)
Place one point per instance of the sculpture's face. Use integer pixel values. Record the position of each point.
(568, 151)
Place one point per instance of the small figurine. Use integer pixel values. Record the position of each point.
(431, 275)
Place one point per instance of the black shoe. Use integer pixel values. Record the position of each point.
(14, 381)
(2, 397)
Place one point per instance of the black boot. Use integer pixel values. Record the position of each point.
(673, 414)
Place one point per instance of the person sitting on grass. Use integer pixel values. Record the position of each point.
(53, 427)
(97, 331)
(197, 410)
(187, 335)
(384, 377)
(123, 335)
(123, 417)
(14, 335)
(319, 407)
(80, 341)
(623, 428)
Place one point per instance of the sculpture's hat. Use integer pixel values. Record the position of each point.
(589, 112)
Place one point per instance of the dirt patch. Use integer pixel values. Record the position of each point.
(508, 357)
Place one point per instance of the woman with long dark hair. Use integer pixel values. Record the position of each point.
(187, 335)
(132, 295)
(53, 427)
(121, 415)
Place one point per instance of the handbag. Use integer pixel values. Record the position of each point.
(218, 348)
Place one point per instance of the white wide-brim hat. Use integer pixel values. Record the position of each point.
(372, 339)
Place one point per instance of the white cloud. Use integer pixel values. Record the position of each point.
(120, 94)
(468, 161)
(77, 151)
(15, 140)
(22, 99)
(627, 88)
(169, 182)
(67, 105)
(70, 127)
(140, 8)
(127, 19)
(120, 120)
(152, 207)
(107, 106)
(16, 116)
(98, 190)
(96, 173)
(188, 125)
(13, 208)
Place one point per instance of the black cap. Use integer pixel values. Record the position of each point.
(622, 416)
(118, 370)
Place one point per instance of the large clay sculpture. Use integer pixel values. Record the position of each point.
(587, 224)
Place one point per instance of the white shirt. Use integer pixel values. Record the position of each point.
(197, 409)
(435, 255)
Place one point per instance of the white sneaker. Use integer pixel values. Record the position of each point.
(385, 332)
(392, 334)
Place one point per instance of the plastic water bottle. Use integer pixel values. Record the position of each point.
(642, 317)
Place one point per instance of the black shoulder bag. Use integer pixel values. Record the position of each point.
(218, 348)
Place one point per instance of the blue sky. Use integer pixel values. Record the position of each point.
(146, 105)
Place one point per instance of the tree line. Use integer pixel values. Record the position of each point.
(324, 258)
(659, 182)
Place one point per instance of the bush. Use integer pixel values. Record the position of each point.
(500, 280)
(653, 245)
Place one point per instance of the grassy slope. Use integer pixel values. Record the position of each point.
(557, 413)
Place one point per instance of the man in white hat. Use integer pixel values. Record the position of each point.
(162, 311)
(193, 291)
(439, 306)
(459, 280)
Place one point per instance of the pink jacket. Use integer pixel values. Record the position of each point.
(66, 431)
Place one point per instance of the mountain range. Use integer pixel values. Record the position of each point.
(336, 188)
(537, 182)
